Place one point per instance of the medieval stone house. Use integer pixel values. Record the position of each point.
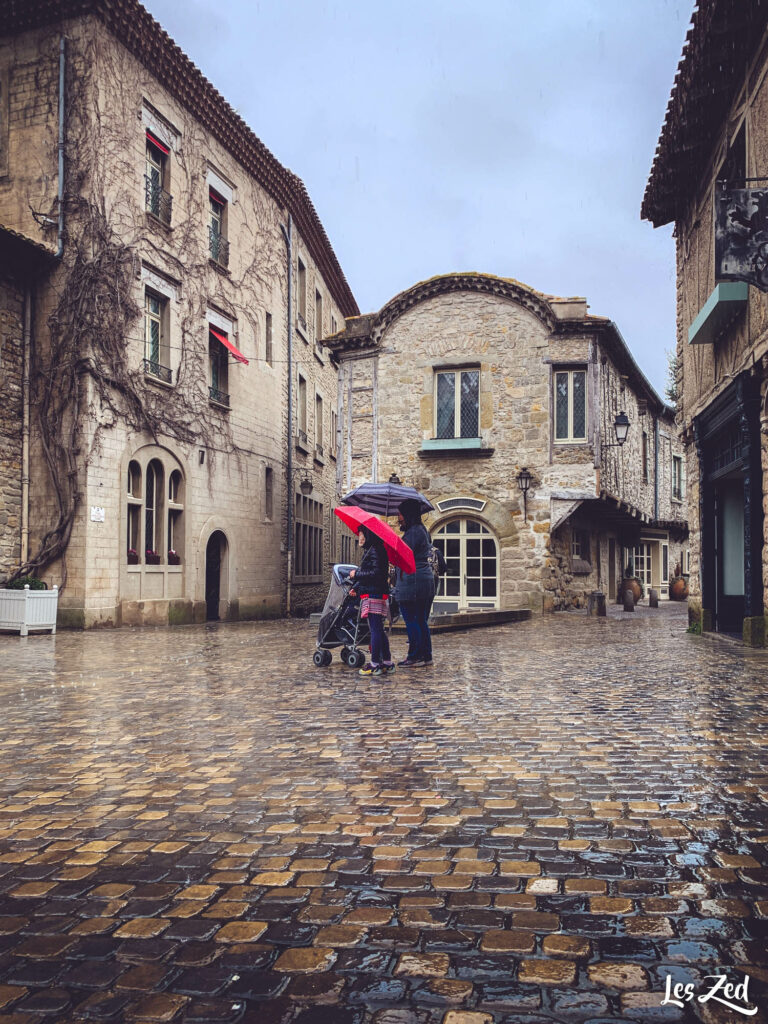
(709, 179)
(186, 283)
(459, 384)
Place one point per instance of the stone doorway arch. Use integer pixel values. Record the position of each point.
(216, 576)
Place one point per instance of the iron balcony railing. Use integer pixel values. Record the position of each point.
(220, 397)
(154, 369)
(157, 201)
(219, 248)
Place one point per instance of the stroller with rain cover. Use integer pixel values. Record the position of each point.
(340, 623)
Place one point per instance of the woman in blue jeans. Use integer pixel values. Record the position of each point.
(415, 592)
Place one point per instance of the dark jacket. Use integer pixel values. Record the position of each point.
(372, 577)
(418, 586)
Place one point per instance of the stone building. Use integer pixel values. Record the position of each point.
(167, 480)
(461, 382)
(708, 179)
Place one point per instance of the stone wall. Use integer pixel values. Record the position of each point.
(706, 370)
(11, 368)
(110, 98)
(388, 420)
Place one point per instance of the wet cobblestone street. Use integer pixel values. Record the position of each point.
(196, 824)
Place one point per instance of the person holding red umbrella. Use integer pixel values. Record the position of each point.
(372, 583)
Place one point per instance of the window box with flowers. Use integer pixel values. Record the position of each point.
(133, 556)
(152, 557)
(173, 558)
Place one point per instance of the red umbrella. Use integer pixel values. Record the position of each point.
(397, 550)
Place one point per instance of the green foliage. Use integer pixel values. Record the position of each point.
(27, 581)
(672, 390)
(694, 628)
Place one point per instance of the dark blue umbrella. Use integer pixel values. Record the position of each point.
(384, 499)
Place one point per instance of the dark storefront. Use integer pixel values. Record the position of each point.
(727, 436)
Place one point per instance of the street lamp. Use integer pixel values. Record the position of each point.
(306, 484)
(524, 479)
(394, 479)
(621, 429)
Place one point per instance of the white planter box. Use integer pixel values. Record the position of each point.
(23, 610)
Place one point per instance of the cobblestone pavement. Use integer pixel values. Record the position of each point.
(196, 824)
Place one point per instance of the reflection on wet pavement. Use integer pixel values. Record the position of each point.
(197, 824)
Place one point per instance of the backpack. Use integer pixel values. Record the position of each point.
(436, 563)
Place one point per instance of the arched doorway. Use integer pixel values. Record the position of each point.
(215, 571)
(472, 555)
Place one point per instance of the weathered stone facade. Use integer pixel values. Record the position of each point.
(11, 367)
(510, 343)
(722, 328)
(212, 500)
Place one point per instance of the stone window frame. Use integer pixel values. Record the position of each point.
(168, 508)
(457, 368)
(309, 539)
(676, 481)
(645, 456)
(302, 278)
(581, 540)
(570, 369)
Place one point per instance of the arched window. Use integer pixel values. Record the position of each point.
(175, 513)
(134, 512)
(472, 555)
(153, 513)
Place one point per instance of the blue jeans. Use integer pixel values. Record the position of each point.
(379, 640)
(415, 615)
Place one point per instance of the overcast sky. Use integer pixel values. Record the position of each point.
(512, 137)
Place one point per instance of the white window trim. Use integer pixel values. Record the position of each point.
(159, 127)
(570, 439)
(222, 322)
(456, 371)
(155, 283)
(215, 181)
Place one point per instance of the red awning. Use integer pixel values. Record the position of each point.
(220, 336)
(156, 142)
(215, 195)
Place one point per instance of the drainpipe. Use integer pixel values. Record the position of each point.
(62, 63)
(25, 424)
(656, 468)
(288, 236)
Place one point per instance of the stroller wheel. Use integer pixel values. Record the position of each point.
(356, 659)
(319, 658)
(327, 658)
(344, 655)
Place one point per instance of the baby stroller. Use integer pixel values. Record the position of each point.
(340, 623)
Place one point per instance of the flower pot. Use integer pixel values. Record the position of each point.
(133, 558)
(23, 610)
(678, 589)
(633, 584)
(152, 559)
(173, 559)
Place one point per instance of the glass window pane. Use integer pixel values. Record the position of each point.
(473, 588)
(489, 587)
(473, 549)
(453, 549)
(561, 405)
(473, 567)
(473, 526)
(452, 586)
(579, 403)
(454, 566)
(446, 418)
(453, 527)
(489, 549)
(470, 400)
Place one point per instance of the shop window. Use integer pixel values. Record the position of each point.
(570, 405)
(175, 514)
(457, 403)
(581, 551)
(153, 513)
(134, 512)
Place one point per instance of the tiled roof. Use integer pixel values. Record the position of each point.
(138, 31)
(720, 44)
